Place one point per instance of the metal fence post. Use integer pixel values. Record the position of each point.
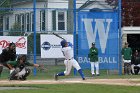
(34, 7)
(120, 40)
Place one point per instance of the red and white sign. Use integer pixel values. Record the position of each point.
(21, 43)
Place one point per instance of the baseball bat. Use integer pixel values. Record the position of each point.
(58, 36)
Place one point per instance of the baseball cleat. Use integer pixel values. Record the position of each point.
(93, 75)
(98, 75)
(83, 79)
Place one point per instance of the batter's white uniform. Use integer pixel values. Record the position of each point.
(69, 60)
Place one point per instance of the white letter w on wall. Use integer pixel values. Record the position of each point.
(102, 31)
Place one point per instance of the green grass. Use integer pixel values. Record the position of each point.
(71, 88)
(49, 74)
(75, 88)
(41, 74)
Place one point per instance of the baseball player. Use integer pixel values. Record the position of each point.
(69, 60)
(135, 63)
(7, 54)
(127, 54)
(93, 55)
(19, 68)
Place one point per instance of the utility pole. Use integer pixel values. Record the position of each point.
(70, 23)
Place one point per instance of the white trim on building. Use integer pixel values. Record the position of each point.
(131, 30)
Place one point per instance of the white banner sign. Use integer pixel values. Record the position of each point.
(50, 46)
(21, 43)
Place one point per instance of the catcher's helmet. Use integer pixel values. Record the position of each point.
(23, 57)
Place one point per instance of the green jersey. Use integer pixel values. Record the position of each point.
(127, 53)
(16, 63)
(93, 54)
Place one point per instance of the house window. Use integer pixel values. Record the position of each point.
(27, 22)
(54, 20)
(1, 23)
(17, 22)
(22, 22)
(6, 23)
(17, 19)
(59, 20)
(42, 20)
(32, 21)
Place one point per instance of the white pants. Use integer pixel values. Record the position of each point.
(126, 61)
(96, 65)
(132, 67)
(69, 64)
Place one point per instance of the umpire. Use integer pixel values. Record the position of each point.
(8, 54)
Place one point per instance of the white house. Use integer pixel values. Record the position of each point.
(51, 15)
(46, 19)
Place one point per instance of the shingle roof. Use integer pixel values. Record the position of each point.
(14, 2)
(18, 1)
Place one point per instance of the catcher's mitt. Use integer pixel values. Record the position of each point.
(42, 68)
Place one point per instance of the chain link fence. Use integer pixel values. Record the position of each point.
(26, 18)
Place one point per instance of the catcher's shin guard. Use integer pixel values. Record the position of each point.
(27, 72)
(24, 77)
(13, 75)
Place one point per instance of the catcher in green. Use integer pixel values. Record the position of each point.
(19, 69)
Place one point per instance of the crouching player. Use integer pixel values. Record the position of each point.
(69, 60)
(19, 69)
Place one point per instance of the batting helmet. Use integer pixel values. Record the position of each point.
(63, 43)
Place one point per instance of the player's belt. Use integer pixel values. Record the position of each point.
(70, 58)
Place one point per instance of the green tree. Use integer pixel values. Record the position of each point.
(5, 4)
(31, 43)
(16, 30)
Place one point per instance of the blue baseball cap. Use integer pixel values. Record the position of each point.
(63, 43)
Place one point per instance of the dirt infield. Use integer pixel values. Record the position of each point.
(126, 82)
